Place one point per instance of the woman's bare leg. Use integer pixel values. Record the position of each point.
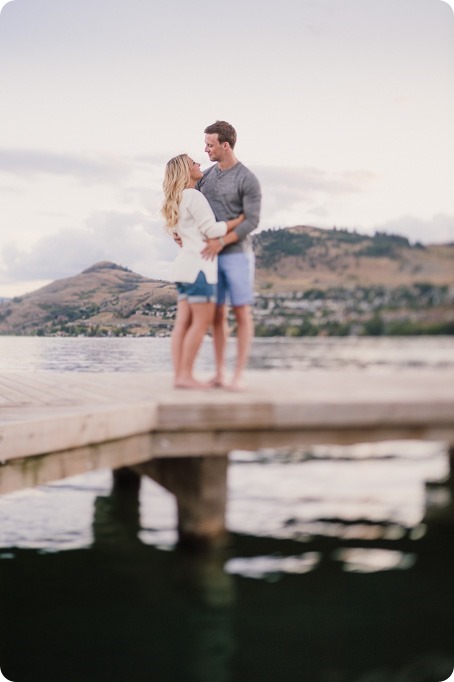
(201, 318)
(181, 326)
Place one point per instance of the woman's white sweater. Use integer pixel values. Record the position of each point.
(195, 224)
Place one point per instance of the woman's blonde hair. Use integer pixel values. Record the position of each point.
(176, 178)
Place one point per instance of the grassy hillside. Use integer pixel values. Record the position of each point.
(308, 281)
(304, 257)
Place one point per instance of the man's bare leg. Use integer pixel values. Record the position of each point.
(220, 335)
(244, 332)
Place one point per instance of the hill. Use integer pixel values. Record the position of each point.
(303, 257)
(308, 280)
(105, 295)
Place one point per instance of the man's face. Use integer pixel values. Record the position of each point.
(214, 148)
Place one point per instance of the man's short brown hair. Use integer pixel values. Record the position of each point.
(224, 131)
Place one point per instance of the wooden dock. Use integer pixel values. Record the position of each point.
(54, 425)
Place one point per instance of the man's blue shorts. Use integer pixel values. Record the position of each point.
(236, 279)
(199, 291)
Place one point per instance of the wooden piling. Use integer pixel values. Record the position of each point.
(200, 488)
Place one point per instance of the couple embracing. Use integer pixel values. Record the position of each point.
(211, 216)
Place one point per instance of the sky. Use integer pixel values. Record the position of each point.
(343, 110)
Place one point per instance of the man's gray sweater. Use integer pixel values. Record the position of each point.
(229, 193)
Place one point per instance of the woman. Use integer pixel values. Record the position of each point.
(188, 214)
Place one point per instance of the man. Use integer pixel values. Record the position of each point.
(231, 189)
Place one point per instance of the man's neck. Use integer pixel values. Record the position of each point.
(228, 162)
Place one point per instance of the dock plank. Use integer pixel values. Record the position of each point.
(56, 424)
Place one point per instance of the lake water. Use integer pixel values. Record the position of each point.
(340, 567)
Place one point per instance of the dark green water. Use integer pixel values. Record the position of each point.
(121, 610)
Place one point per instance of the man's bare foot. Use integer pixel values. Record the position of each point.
(191, 383)
(217, 382)
(235, 385)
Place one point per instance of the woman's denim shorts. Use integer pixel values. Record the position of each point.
(199, 291)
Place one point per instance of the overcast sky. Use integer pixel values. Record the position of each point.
(343, 109)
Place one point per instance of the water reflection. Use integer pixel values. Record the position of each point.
(203, 590)
(208, 593)
(266, 609)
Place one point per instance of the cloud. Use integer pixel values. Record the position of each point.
(306, 181)
(129, 239)
(11, 191)
(153, 160)
(28, 163)
(439, 229)
(306, 190)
